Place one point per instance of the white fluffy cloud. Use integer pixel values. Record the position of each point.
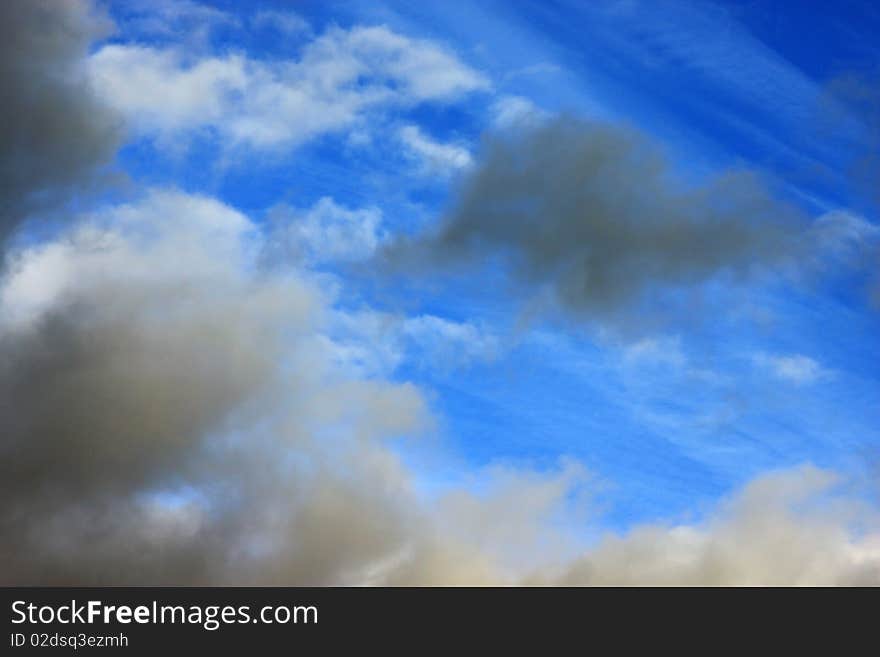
(782, 529)
(340, 75)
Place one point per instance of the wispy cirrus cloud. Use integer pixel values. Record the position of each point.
(286, 22)
(510, 112)
(435, 158)
(172, 20)
(792, 368)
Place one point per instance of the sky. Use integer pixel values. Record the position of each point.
(440, 293)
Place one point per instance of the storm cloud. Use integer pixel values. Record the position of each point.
(593, 213)
(54, 133)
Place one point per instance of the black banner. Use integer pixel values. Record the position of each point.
(140, 620)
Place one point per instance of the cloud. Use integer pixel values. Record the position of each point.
(150, 431)
(509, 112)
(846, 235)
(783, 528)
(286, 22)
(663, 351)
(435, 158)
(340, 76)
(516, 521)
(173, 411)
(171, 415)
(96, 370)
(591, 213)
(847, 242)
(55, 134)
(325, 233)
(173, 20)
(373, 343)
(797, 368)
(441, 344)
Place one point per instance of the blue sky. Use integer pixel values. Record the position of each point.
(707, 404)
(342, 130)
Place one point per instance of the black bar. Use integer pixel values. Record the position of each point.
(425, 619)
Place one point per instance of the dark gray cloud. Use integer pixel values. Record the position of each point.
(109, 387)
(593, 213)
(54, 133)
